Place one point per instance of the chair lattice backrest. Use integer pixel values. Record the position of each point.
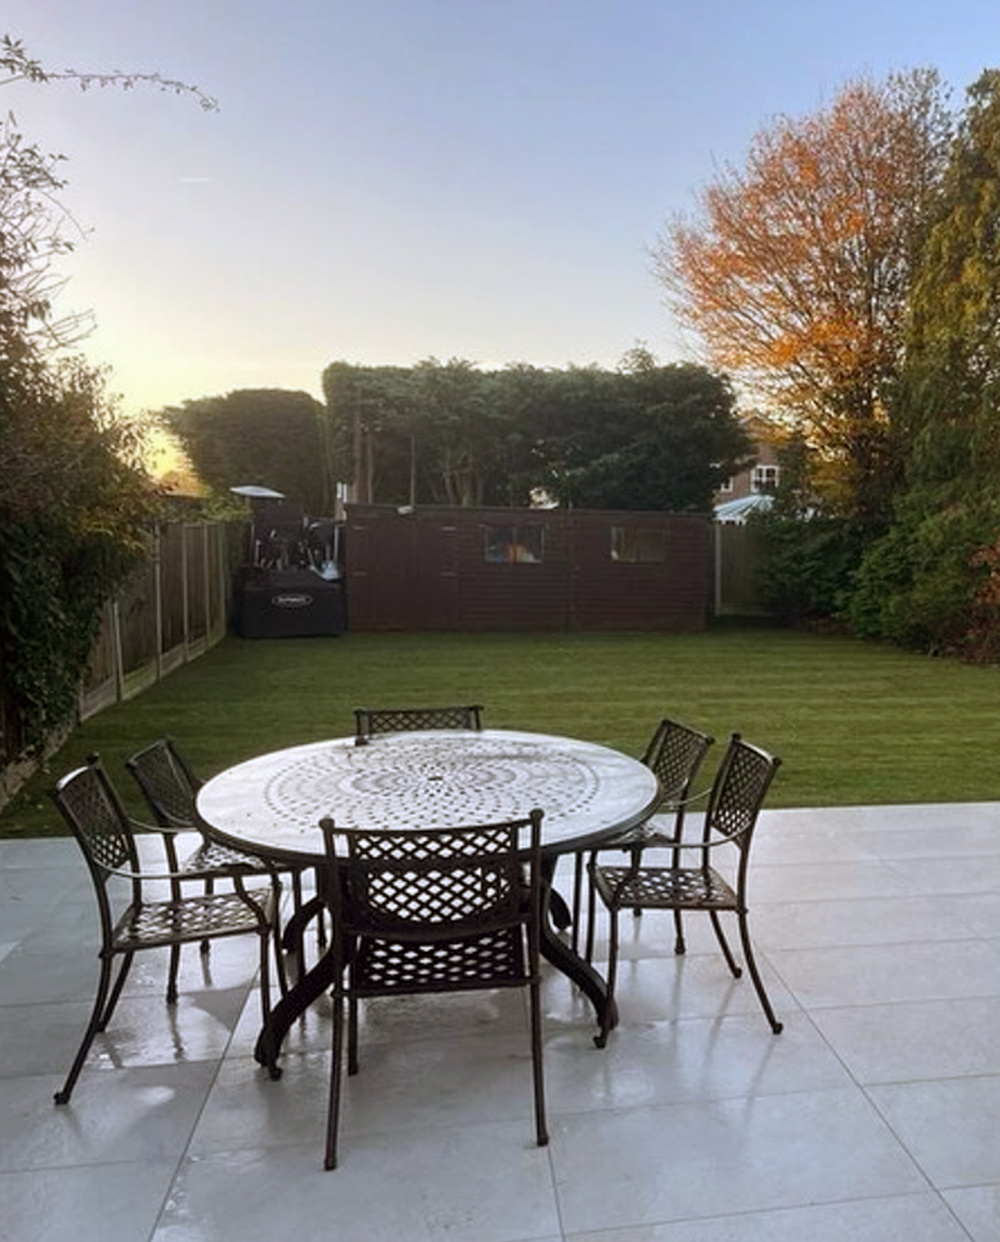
(371, 720)
(738, 792)
(167, 783)
(93, 810)
(431, 884)
(675, 754)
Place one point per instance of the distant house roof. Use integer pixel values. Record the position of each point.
(736, 511)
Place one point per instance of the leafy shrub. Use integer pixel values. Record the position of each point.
(931, 583)
(807, 566)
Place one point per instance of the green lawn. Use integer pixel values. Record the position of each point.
(855, 723)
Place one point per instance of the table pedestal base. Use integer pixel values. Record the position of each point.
(320, 977)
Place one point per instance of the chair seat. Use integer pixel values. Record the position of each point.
(162, 923)
(496, 959)
(667, 888)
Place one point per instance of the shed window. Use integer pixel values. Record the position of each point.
(510, 545)
(638, 545)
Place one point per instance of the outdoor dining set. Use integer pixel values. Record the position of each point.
(421, 854)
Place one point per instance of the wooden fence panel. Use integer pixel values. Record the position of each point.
(172, 611)
(173, 595)
(738, 552)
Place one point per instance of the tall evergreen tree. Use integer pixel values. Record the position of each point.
(930, 581)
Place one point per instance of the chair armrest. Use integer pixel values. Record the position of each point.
(641, 839)
(727, 838)
(657, 841)
(170, 832)
(678, 803)
(237, 872)
(140, 825)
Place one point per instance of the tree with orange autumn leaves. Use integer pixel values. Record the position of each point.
(795, 271)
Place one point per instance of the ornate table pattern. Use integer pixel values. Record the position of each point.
(428, 779)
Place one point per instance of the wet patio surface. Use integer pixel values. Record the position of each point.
(874, 1116)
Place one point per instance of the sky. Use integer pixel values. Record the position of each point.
(387, 181)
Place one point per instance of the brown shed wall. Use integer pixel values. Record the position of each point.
(428, 570)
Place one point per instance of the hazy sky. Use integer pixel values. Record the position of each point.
(389, 180)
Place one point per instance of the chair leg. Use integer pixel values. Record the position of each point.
(636, 858)
(537, 1070)
(206, 945)
(680, 948)
(321, 940)
(279, 952)
(116, 991)
(577, 898)
(601, 1038)
(175, 962)
(352, 1035)
(93, 1026)
(333, 1111)
(299, 950)
(734, 966)
(591, 912)
(758, 983)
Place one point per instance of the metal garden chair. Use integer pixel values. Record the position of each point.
(170, 787)
(442, 910)
(734, 803)
(105, 834)
(675, 754)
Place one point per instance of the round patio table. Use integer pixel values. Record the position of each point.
(271, 805)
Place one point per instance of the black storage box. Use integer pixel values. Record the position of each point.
(290, 603)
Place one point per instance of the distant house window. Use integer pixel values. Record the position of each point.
(514, 545)
(764, 478)
(727, 487)
(637, 545)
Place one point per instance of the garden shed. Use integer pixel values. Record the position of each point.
(444, 568)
